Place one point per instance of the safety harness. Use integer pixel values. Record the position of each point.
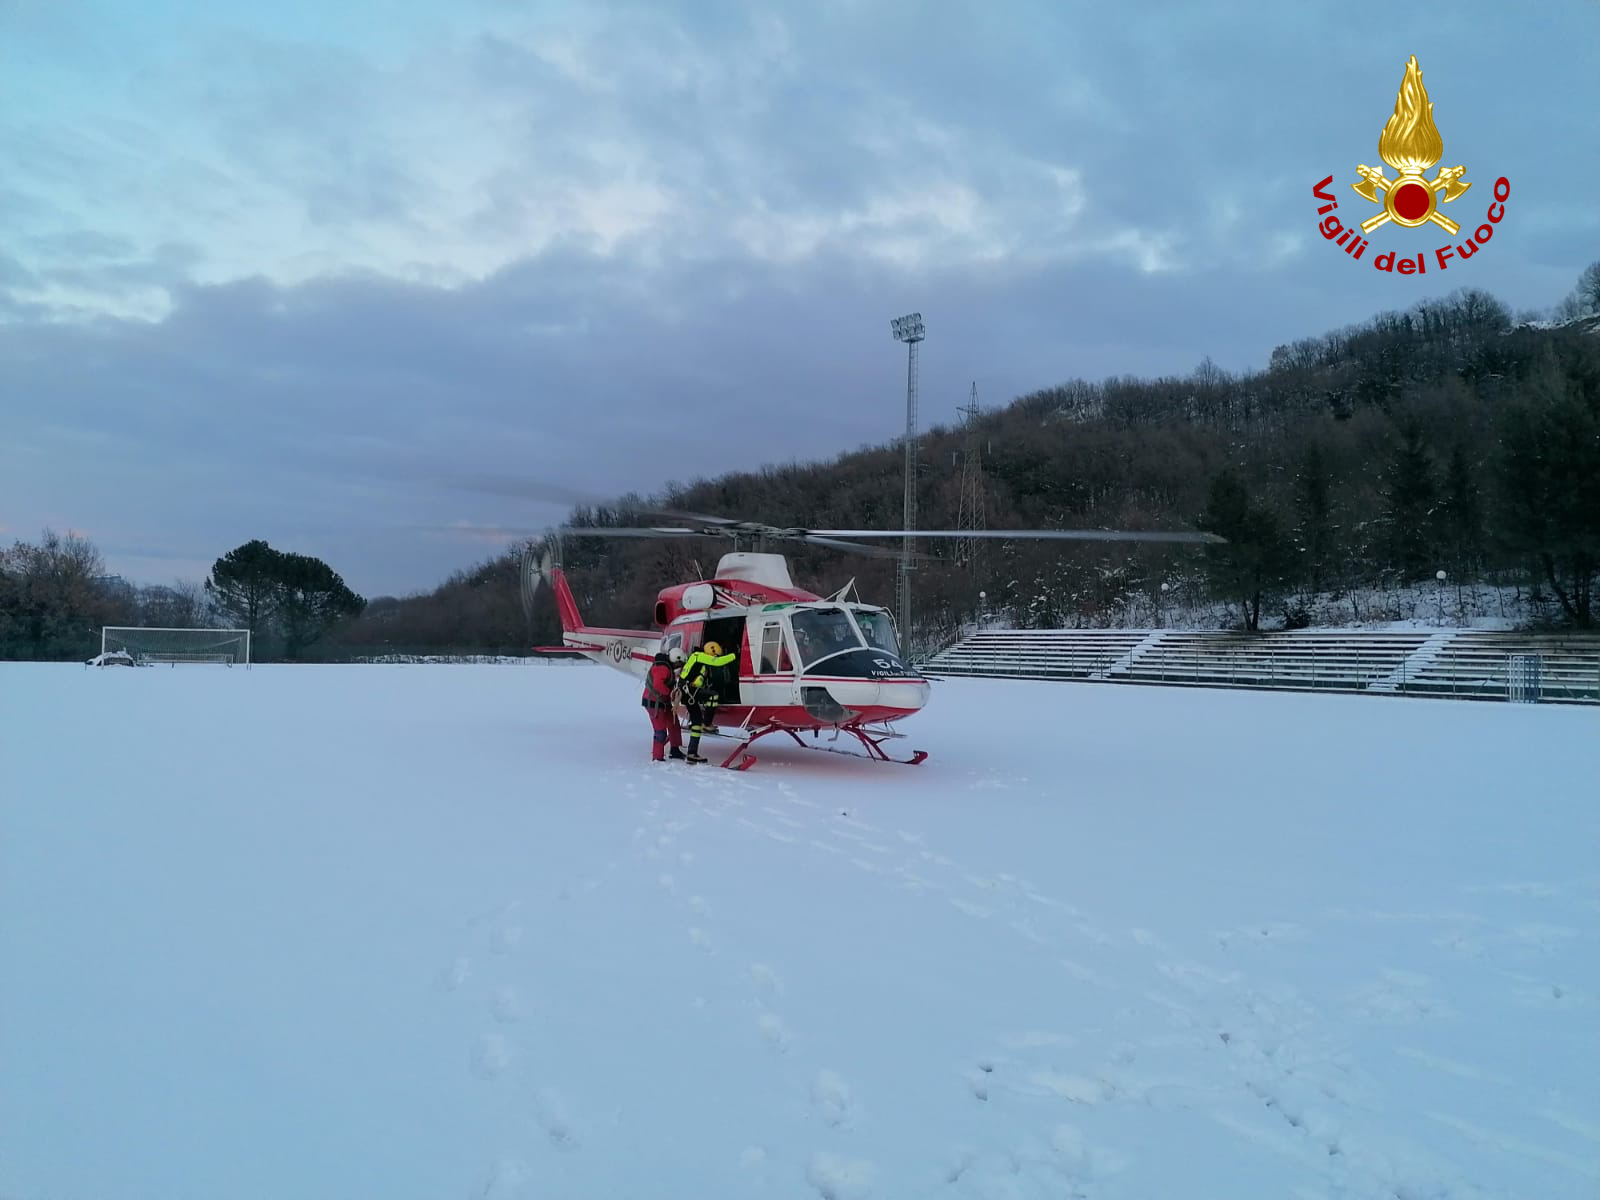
(654, 697)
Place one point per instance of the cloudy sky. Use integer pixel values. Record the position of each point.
(303, 271)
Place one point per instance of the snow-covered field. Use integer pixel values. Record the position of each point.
(421, 932)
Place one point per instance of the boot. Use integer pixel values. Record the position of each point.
(694, 750)
(675, 752)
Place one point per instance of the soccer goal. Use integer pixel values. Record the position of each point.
(174, 646)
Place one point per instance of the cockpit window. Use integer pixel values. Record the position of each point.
(879, 630)
(819, 632)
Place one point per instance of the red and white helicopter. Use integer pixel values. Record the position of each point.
(807, 663)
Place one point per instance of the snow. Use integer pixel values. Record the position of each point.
(441, 931)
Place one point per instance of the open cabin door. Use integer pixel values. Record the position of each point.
(728, 632)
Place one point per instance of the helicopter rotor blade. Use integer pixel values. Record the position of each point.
(743, 529)
(495, 531)
(1088, 535)
(853, 547)
(583, 531)
(522, 488)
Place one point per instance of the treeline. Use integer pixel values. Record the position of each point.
(56, 597)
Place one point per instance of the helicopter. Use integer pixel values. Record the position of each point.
(806, 662)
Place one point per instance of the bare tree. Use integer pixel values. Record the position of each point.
(53, 598)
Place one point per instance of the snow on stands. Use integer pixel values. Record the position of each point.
(441, 931)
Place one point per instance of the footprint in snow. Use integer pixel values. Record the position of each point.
(766, 979)
(491, 1055)
(838, 1178)
(508, 1179)
(832, 1098)
(993, 1073)
(504, 939)
(1081, 1161)
(550, 1113)
(1396, 996)
(980, 1080)
(774, 1032)
(506, 1007)
(456, 974)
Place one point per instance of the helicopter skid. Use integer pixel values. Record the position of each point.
(872, 741)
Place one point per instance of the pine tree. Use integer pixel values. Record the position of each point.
(244, 585)
(312, 598)
(1314, 531)
(261, 587)
(1461, 515)
(1410, 494)
(1550, 482)
(1255, 558)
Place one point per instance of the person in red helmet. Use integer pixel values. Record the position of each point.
(660, 686)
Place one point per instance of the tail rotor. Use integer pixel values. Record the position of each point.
(538, 560)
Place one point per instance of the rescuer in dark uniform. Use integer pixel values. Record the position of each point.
(659, 686)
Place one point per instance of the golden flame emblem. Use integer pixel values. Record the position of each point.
(1410, 143)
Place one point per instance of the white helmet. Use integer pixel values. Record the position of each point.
(676, 654)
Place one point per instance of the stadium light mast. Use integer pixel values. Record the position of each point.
(908, 329)
(970, 516)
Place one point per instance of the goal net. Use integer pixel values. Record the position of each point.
(146, 645)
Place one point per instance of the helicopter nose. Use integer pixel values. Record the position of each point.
(885, 697)
(909, 694)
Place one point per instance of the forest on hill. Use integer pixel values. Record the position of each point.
(1445, 437)
(1356, 466)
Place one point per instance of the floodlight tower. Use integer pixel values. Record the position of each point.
(971, 516)
(908, 329)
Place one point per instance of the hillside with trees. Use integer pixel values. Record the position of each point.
(1345, 475)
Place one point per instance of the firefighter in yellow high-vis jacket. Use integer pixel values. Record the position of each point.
(699, 691)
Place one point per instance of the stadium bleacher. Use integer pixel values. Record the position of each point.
(1468, 664)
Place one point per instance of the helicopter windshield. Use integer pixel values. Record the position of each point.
(819, 632)
(879, 630)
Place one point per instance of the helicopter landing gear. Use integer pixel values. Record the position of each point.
(872, 741)
(875, 749)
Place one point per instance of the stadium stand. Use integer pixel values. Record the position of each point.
(1467, 664)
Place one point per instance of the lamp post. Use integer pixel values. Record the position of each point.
(1440, 576)
(909, 329)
